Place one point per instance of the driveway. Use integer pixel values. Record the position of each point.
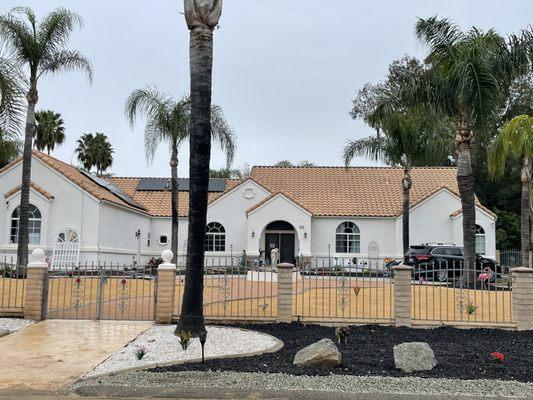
(53, 354)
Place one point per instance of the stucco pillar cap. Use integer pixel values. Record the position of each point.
(522, 270)
(38, 260)
(402, 268)
(285, 265)
(167, 256)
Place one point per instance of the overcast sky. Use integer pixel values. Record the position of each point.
(285, 71)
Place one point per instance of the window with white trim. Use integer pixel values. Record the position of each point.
(215, 237)
(34, 225)
(348, 238)
(480, 240)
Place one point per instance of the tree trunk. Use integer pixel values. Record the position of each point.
(406, 183)
(524, 213)
(201, 62)
(465, 181)
(174, 245)
(23, 238)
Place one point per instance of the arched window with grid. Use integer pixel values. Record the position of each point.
(34, 225)
(348, 238)
(215, 237)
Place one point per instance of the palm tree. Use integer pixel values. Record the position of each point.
(405, 140)
(468, 80)
(95, 151)
(11, 98)
(516, 140)
(202, 17)
(168, 121)
(39, 45)
(49, 130)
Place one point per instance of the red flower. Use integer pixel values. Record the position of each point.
(497, 357)
(123, 281)
(78, 280)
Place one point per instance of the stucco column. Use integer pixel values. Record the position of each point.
(402, 295)
(523, 297)
(285, 292)
(166, 289)
(36, 276)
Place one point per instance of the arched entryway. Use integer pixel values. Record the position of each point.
(280, 235)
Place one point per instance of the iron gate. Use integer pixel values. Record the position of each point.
(108, 291)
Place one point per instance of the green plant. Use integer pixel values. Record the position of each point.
(140, 352)
(471, 308)
(185, 338)
(342, 333)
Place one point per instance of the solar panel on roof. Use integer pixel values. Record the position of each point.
(113, 189)
(160, 184)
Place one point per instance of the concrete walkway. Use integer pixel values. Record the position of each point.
(53, 354)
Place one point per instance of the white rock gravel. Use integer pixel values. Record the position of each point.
(14, 324)
(330, 383)
(163, 347)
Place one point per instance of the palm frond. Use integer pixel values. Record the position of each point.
(11, 97)
(66, 60)
(55, 30)
(222, 130)
(371, 147)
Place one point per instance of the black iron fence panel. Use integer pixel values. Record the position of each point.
(12, 287)
(102, 291)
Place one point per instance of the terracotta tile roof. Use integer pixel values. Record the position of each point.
(36, 187)
(354, 191)
(81, 180)
(158, 203)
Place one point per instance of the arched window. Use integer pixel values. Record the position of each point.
(215, 237)
(347, 238)
(34, 225)
(480, 240)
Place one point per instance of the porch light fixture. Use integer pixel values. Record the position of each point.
(253, 234)
(305, 234)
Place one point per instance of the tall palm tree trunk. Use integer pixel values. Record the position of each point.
(406, 183)
(201, 64)
(175, 202)
(23, 238)
(465, 182)
(524, 213)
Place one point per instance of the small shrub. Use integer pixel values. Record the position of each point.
(140, 353)
(185, 338)
(342, 333)
(471, 308)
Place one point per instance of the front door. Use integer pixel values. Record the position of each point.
(284, 242)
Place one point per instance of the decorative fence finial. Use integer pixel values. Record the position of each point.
(167, 256)
(37, 255)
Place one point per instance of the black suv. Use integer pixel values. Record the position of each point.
(444, 262)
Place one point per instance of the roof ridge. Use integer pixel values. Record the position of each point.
(348, 168)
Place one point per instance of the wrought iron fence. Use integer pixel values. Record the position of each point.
(233, 289)
(102, 291)
(12, 287)
(446, 292)
(343, 289)
(511, 258)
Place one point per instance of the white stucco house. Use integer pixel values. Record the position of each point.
(303, 211)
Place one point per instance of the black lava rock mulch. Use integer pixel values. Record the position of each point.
(460, 353)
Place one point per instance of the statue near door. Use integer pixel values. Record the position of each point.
(274, 256)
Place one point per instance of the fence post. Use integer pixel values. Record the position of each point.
(285, 292)
(166, 290)
(402, 295)
(36, 275)
(523, 297)
(498, 256)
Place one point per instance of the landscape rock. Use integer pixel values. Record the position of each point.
(4, 332)
(414, 356)
(323, 353)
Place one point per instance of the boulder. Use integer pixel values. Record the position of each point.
(323, 353)
(414, 356)
(4, 332)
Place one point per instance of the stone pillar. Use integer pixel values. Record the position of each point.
(285, 292)
(498, 257)
(34, 296)
(523, 297)
(402, 295)
(166, 289)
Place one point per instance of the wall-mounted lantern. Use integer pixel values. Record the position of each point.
(253, 234)
(305, 234)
